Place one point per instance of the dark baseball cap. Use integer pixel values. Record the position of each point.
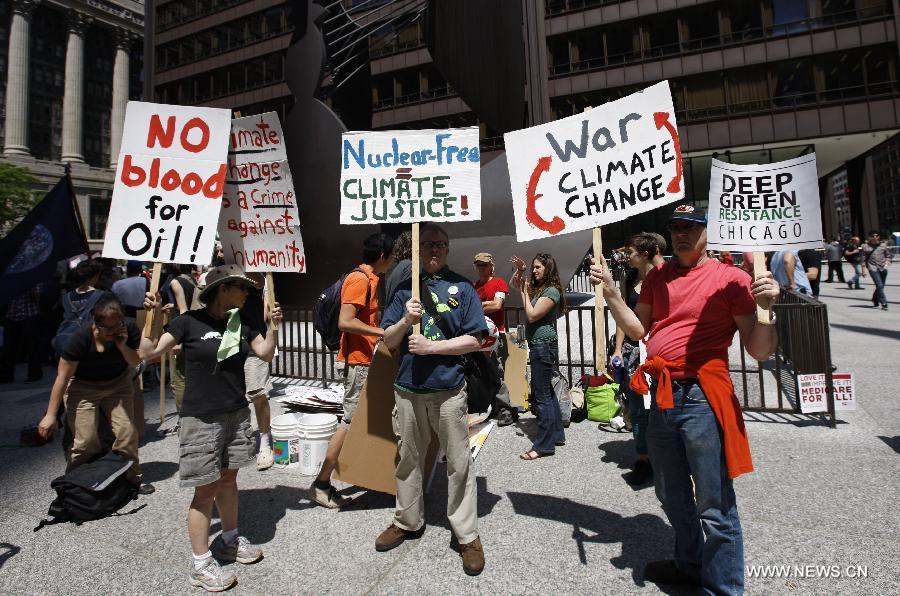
(689, 213)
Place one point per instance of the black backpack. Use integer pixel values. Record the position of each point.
(328, 308)
(73, 319)
(92, 491)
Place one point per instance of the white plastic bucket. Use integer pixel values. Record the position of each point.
(286, 440)
(315, 431)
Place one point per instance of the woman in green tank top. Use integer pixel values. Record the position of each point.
(542, 295)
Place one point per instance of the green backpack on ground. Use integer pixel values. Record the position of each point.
(601, 402)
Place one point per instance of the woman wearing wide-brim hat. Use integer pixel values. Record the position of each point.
(215, 435)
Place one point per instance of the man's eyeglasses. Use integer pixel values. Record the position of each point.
(428, 244)
(681, 226)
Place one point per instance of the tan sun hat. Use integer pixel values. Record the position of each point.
(484, 257)
(219, 275)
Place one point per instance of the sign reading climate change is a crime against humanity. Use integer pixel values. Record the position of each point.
(259, 223)
(598, 167)
(169, 183)
(407, 176)
(764, 207)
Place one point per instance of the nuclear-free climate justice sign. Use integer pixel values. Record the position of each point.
(169, 183)
(408, 176)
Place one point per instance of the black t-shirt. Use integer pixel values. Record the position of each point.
(94, 365)
(211, 387)
(252, 314)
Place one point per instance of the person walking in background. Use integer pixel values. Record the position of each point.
(22, 333)
(833, 253)
(812, 264)
(215, 438)
(789, 272)
(854, 257)
(130, 291)
(542, 296)
(492, 292)
(876, 256)
(430, 393)
(644, 255)
(358, 322)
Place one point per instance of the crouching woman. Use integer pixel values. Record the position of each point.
(215, 435)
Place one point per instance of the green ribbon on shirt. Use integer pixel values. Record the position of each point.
(231, 339)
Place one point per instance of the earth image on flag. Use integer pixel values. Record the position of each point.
(34, 251)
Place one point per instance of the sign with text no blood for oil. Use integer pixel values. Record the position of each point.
(408, 176)
(259, 222)
(764, 207)
(169, 183)
(597, 167)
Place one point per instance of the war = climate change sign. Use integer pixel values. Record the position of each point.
(259, 223)
(407, 176)
(169, 183)
(764, 207)
(597, 167)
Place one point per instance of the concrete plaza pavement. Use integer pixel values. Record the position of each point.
(566, 524)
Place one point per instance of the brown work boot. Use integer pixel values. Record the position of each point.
(472, 557)
(394, 536)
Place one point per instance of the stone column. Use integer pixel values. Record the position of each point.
(17, 79)
(120, 87)
(74, 92)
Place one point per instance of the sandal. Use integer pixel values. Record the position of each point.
(532, 455)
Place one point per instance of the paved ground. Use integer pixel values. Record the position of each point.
(566, 524)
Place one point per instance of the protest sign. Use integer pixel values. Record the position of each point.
(169, 183)
(812, 393)
(604, 165)
(844, 395)
(258, 225)
(409, 176)
(764, 207)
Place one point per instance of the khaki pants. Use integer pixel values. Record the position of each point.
(176, 378)
(447, 413)
(85, 402)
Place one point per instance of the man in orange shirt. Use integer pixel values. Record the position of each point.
(358, 322)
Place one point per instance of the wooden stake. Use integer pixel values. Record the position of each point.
(154, 288)
(599, 308)
(162, 386)
(417, 328)
(270, 298)
(763, 305)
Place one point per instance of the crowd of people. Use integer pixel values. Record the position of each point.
(674, 323)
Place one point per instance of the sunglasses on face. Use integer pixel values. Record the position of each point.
(239, 285)
(683, 226)
(111, 328)
(428, 244)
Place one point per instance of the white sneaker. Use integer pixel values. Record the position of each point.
(265, 458)
(211, 577)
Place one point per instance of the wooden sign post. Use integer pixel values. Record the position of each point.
(762, 305)
(154, 288)
(416, 266)
(599, 312)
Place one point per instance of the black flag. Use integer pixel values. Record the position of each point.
(49, 233)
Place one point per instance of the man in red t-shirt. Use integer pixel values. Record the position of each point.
(492, 292)
(358, 322)
(690, 309)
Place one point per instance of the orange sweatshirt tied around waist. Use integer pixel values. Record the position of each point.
(712, 373)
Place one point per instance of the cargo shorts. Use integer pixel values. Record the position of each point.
(212, 443)
(355, 376)
(257, 379)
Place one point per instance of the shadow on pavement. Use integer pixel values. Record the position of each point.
(890, 334)
(644, 537)
(157, 471)
(892, 442)
(262, 508)
(620, 453)
(7, 552)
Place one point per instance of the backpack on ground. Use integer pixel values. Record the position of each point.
(483, 380)
(563, 395)
(73, 319)
(92, 491)
(328, 309)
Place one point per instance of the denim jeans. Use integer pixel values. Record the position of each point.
(857, 272)
(543, 358)
(686, 442)
(639, 419)
(878, 278)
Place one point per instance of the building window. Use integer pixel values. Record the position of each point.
(99, 214)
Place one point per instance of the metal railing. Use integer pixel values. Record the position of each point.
(803, 347)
